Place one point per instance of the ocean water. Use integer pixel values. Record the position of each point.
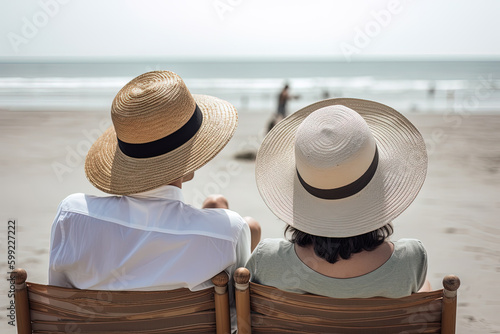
(471, 87)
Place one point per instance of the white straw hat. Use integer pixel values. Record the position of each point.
(160, 133)
(341, 167)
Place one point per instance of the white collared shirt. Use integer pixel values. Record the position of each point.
(148, 241)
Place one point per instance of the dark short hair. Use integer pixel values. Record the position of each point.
(332, 249)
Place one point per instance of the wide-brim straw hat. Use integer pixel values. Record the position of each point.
(341, 167)
(160, 133)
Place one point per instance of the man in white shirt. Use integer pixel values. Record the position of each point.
(145, 237)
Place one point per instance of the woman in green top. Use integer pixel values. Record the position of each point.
(338, 172)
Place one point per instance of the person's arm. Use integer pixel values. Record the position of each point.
(255, 232)
(56, 277)
(421, 267)
(426, 287)
(243, 246)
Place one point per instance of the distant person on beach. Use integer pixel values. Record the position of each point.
(145, 236)
(282, 101)
(431, 92)
(283, 98)
(338, 172)
(325, 94)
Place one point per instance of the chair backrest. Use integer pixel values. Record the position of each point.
(45, 308)
(265, 309)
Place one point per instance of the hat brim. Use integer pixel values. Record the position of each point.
(399, 176)
(113, 172)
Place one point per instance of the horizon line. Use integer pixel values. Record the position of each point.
(190, 59)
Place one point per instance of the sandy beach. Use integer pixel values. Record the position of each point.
(455, 215)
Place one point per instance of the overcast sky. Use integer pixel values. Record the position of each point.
(249, 28)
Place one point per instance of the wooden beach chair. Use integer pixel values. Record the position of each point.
(50, 309)
(265, 309)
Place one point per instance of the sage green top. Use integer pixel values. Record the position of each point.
(275, 263)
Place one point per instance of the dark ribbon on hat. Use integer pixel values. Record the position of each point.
(347, 190)
(165, 144)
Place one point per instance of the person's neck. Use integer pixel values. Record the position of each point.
(177, 183)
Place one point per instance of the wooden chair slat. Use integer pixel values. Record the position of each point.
(273, 328)
(47, 311)
(316, 301)
(287, 312)
(179, 323)
(117, 297)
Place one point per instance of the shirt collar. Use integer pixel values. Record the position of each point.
(165, 192)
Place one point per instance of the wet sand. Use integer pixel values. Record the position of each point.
(455, 215)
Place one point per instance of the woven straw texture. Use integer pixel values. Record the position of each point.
(150, 107)
(399, 176)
